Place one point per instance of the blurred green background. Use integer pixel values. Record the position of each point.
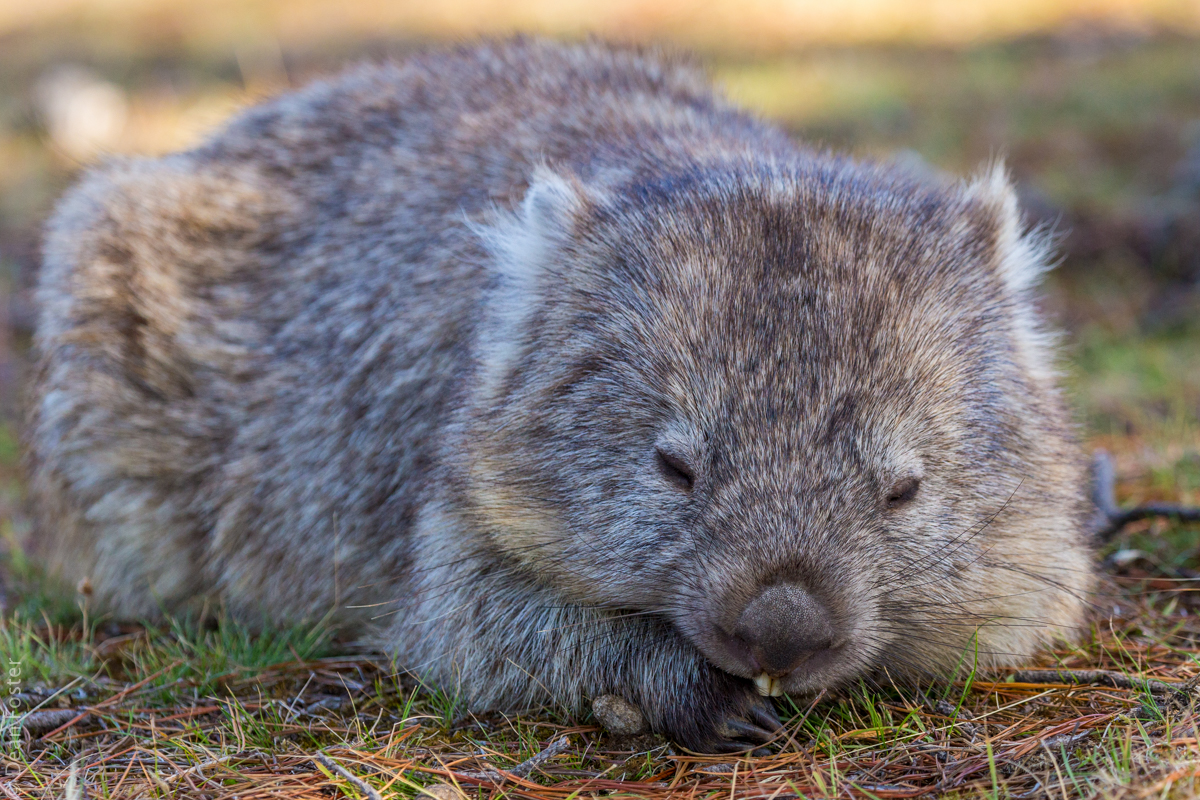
(1094, 105)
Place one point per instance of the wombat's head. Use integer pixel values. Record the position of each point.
(805, 412)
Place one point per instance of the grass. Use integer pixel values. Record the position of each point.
(216, 719)
(1102, 128)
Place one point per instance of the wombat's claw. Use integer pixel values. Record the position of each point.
(764, 714)
(747, 729)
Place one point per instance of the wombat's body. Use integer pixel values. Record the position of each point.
(562, 378)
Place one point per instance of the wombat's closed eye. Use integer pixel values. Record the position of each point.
(903, 492)
(560, 378)
(676, 471)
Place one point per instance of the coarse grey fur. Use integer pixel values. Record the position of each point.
(539, 363)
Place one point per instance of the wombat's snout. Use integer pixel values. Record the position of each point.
(782, 628)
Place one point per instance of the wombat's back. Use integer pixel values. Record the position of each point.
(247, 351)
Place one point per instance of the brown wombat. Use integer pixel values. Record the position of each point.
(560, 377)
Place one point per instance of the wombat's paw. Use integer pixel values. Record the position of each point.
(727, 716)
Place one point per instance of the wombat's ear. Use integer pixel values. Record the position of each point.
(552, 202)
(522, 243)
(529, 247)
(1021, 257)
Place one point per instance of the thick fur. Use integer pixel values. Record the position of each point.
(403, 347)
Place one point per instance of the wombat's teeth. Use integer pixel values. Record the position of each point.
(768, 686)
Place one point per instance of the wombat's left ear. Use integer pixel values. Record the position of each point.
(1021, 256)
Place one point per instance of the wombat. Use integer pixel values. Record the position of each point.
(559, 376)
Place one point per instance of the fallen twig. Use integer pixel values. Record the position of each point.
(1111, 518)
(555, 748)
(38, 722)
(1064, 739)
(1095, 677)
(81, 715)
(342, 772)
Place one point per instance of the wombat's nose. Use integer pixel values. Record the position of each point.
(783, 627)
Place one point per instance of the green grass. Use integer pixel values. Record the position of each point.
(213, 695)
(1104, 127)
(1126, 384)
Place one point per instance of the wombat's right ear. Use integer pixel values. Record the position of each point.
(519, 242)
(529, 248)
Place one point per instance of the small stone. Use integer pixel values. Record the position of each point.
(443, 791)
(618, 715)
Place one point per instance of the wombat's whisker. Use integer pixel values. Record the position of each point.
(599, 621)
(959, 541)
